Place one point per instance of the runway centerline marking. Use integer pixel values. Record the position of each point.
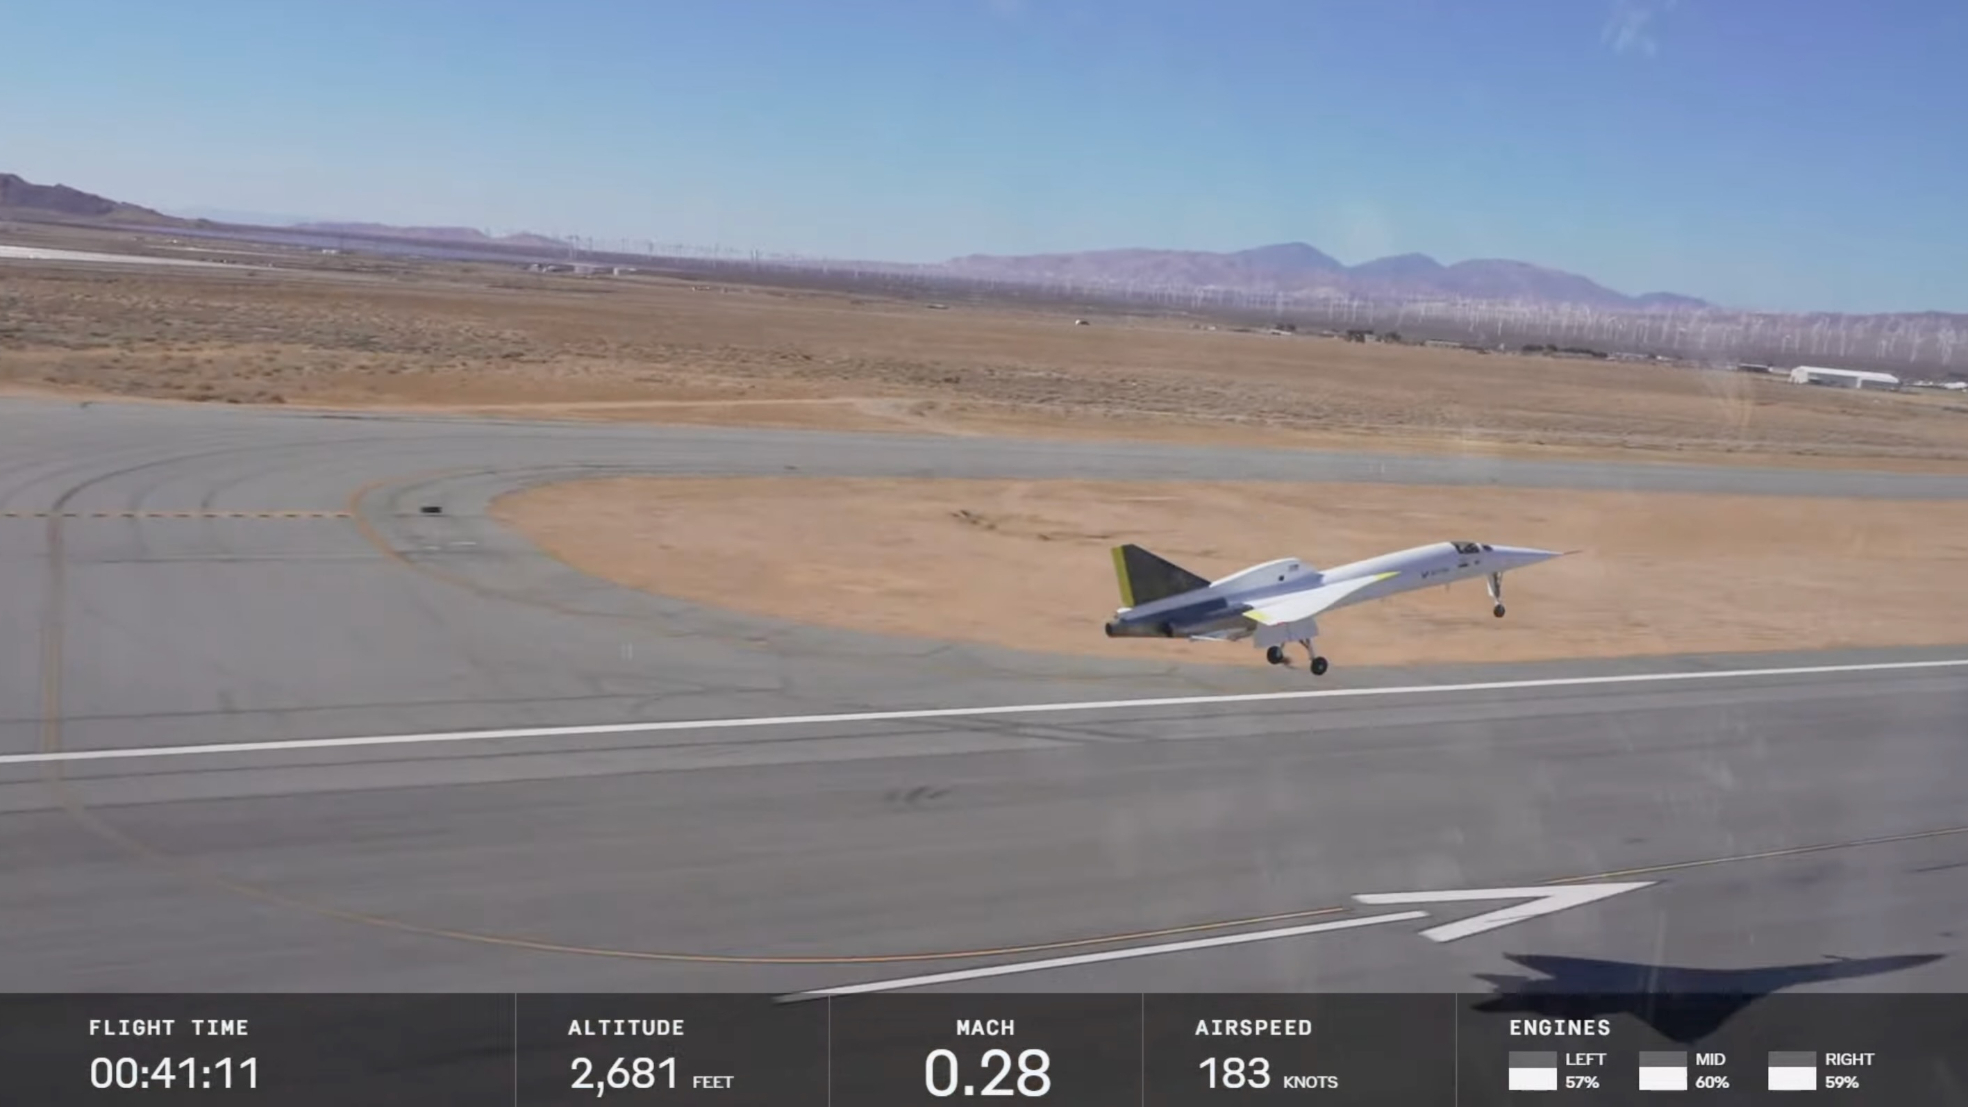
(753, 722)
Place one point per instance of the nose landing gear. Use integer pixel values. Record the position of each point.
(1496, 594)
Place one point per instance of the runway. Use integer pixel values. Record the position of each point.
(662, 797)
(37, 253)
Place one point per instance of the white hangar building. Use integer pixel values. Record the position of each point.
(1843, 378)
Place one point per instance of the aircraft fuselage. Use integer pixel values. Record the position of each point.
(1217, 609)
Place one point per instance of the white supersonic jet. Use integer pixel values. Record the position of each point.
(1277, 602)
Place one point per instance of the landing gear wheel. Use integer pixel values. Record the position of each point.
(1319, 666)
(1497, 611)
(1275, 655)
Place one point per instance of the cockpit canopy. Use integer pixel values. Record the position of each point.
(1471, 547)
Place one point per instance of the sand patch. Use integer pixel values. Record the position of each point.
(1024, 564)
(441, 336)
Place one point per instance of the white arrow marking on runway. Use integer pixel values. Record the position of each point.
(1111, 955)
(1543, 901)
(1540, 901)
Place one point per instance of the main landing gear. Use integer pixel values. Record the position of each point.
(1496, 594)
(1276, 656)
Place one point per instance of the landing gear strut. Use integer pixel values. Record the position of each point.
(1496, 594)
(1276, 656)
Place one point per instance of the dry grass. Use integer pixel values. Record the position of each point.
(1025, 564)
(472, 338)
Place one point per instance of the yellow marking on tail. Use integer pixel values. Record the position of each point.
(1121, 574)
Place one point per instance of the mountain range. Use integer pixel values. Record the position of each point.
(1297, 267)
(1285, 267)
(451, 235)
(23, 198)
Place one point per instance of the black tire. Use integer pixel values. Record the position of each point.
(1319, 666)
(1497, 611)
(1275, 655)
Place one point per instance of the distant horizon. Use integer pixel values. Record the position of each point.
(267, 219)
(1531, 306)
(289, 221)
(625, 246)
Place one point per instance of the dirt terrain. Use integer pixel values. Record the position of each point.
(1026, 565)
(1665, 573)
(343, 331)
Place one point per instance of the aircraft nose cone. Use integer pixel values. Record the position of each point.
(1526, 555)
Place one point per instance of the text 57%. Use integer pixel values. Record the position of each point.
(1581, 1080)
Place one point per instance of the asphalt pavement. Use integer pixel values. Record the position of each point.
(512, 777)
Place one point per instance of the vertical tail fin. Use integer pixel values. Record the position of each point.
(1145, 578)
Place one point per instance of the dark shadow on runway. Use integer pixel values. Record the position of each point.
(1683, 1005)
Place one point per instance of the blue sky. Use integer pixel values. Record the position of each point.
(1783, 154)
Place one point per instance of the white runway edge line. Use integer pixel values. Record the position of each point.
(1108, 955)
(222, 748)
